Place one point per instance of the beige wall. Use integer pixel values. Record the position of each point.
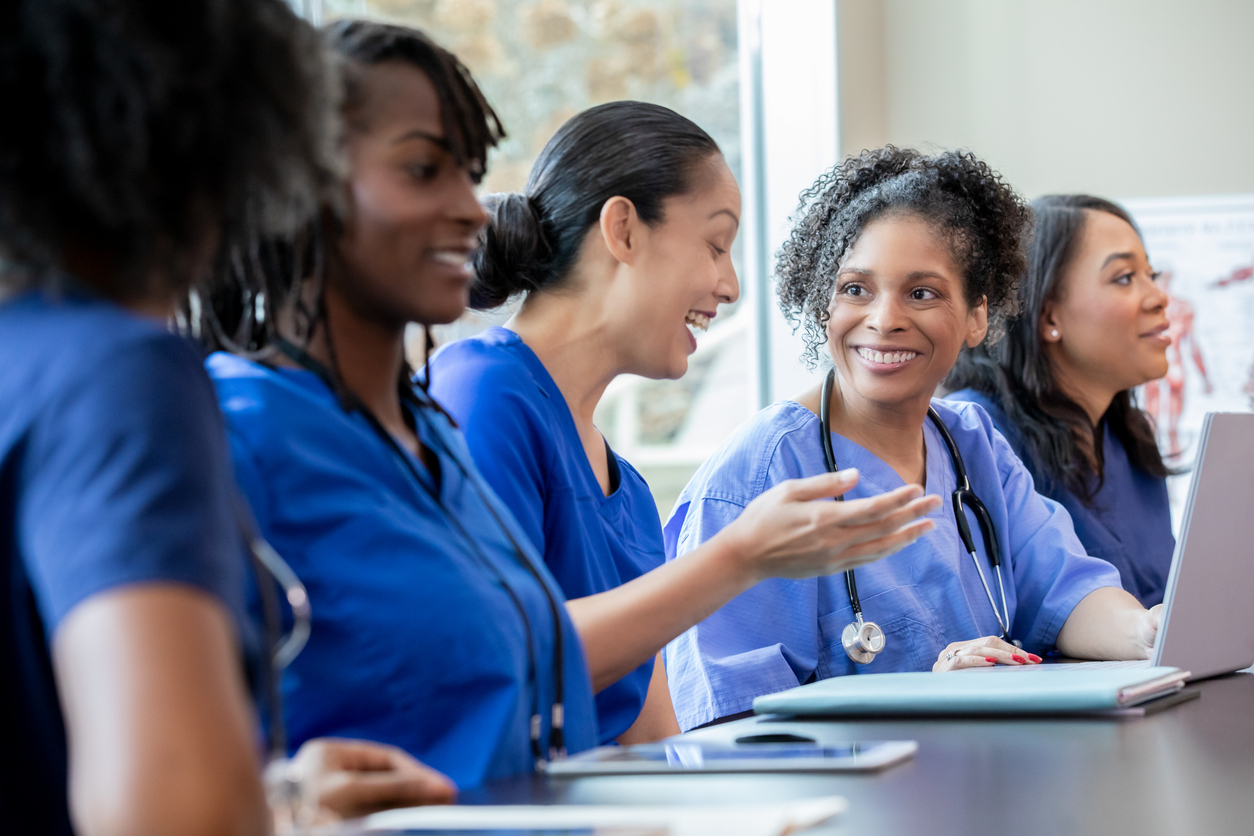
(1121, 98)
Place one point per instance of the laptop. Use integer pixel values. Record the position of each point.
(1207, 624)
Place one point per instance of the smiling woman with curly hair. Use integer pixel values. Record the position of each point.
(897, 261)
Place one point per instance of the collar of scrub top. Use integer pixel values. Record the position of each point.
(350, 402)
(962, 496)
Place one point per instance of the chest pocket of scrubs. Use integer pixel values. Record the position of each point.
(911, 637)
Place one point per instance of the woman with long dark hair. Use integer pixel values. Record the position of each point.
(1092, 327)
(620, 246)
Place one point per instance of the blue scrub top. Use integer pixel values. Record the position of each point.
(783, 633)
(1129, 522)
(522, 436)
(114, 471)
(417, 638)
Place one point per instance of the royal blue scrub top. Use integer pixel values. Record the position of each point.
(417, 637)
(522, 436)
(114, 471)
(782, 633)
(1129, 522)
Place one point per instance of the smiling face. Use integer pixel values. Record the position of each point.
(899, 314)
(1107, 327)
(682, 274)
(413, 215)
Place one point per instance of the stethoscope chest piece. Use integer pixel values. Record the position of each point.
(863, 641)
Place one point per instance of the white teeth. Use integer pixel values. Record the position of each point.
(450, 257)
(697, 320)
(886, 359)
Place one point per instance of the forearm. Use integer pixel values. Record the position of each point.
(160, 732)
(1106, 624)
(622, 627)
(657, 716)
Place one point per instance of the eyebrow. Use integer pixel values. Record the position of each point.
(416, 134)
(915, 276)
(729, 213)
(1117, 257)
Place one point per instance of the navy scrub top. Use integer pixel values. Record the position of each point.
(417, 637)
(114, 471)
(1129, 522)
(522, 436)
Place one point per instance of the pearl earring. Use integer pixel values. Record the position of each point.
(1054, 333)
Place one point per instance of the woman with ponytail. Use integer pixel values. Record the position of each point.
(1093, 326)
(620, 247)
(897, 262)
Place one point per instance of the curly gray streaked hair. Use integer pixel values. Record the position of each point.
(986, 223)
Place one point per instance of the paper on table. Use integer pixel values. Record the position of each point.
(775, 819)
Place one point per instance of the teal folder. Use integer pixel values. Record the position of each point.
(1054, 690)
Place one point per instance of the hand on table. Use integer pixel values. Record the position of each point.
(334, 779)
(982, 653)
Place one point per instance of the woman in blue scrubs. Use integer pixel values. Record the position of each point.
(435, 626)
(621, 244)
(898, 261)
(1092, 326)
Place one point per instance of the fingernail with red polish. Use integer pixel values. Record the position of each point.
(990, 659)
(1019, 659)
(1034, 657)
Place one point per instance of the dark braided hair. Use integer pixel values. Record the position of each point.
(136, 128)
(253, 286)
(1059, 436)
(983, 218)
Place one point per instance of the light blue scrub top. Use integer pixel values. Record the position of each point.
(783, 633)
(416, 640)
(1129, 522)
(523, 438)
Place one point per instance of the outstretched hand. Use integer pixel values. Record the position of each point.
(788, 532)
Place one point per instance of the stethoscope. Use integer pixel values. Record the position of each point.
(864, 640)
(556, 743)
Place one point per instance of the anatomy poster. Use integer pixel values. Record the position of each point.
(1204, 248)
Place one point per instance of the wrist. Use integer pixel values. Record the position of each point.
(732, 553)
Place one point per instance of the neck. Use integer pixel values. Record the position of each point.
(369, 357)
(893, 432)
(573, 337)
(1092, 396)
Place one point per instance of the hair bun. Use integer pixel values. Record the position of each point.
(513, 256)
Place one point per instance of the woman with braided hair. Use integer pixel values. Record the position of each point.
(897, 261)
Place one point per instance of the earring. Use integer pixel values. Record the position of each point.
(1054, 333)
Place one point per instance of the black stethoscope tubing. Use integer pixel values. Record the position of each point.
(962, 497)
(556, 743)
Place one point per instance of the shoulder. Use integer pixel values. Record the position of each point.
(978, 435)
(473, 377)
(779, 442)
(69, 344)
(497, 357)
(269, 410)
